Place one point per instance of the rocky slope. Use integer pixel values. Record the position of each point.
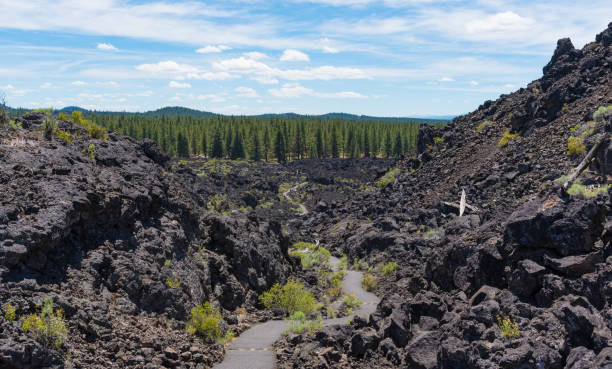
(529, 250)
(123, 245)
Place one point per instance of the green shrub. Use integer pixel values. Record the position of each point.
(14, 125)
(343, 264)
(508, 328)
(369, 282)
(292, 297)
(204, 322)
(49, 126)
(48, 328)
(360, 264)
(388, 178)
(63, 117)
(438, 140)
(298, 324)
(506, 138)
(335, 282)
(602, 112)
(167, 263)
(579, 189)
(63, 135)
(9, 313)
(94, 130)
(173, 282)
(331, 312)
(389, 268)
(90, 151)
(484, 124)
(352, 302)
(575, 146)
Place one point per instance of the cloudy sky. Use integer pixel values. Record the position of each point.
(377, 57)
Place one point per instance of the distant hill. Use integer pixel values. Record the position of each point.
(173, 111)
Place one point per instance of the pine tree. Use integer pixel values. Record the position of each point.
(266, 143)
(204, 144)
(366, 144)
(397, 146)
(237, 147)
(335, 152)
(350, 143)
(228, 141)
(216, 150)
(194, 144)
(318, 144)
(182, 146)
(388, 150)
(279, 147)
(256, 147)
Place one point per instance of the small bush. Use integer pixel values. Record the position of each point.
(9, 313)
(63, 117)
(49, 126)
(388, 178)
(15, 125)
(204, 322)
(48, 328)
(331, 312)
(506, 138)
(484, 124)
(167, 263)
(602, 112)
(291, 297)
(389, 268)
(173, 282)
(582, 190)
(343, 264)
(94, 130)
(575, 146)
(299, 324)
(352, 302)
(369, 282)
(90, 151)
(360, 264)
(438, 140)
(508, 328)
(63, 135)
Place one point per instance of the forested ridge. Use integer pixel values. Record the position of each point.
(281, 138)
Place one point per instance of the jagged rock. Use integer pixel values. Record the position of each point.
(575, 265)
(422, 351)
(363, 341)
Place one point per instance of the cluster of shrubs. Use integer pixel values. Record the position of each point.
(575, 146)
(388, 178)
(310, 254)
(506, 138)
(48, 328)
(291, 297)
(369, 282)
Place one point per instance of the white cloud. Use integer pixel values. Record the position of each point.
(107, 47)
(209, 76)
(46, 85)
(167, 67)
(7, 87)
(174, 84)
(147, 93)
(330, 50)
(246, 92)
(294, 56)
(266, 74)
(266, 80)
(473, 83)
(212, 49)
(108, 84)
(295, 90)
(500, 22)
(256, 55)
(79, 83)
(213, 97)
(446, 79)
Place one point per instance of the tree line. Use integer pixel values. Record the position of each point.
(274, 138)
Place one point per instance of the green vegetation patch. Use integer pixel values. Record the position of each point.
(204, 322)
(351, 301)
(506, 138)
(291, 297)
(388, 178)
(389, 268)
(575, 146)
(49, 327)
(484, 124)
(602, 112)
(299, 324)
(509, 329)
(578, 189)
(369, 282)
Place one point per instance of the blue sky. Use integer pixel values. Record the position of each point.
(376, 57)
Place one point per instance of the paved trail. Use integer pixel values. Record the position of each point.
(253, 349)
(286, 194)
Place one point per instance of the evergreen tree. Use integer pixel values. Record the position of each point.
(216, 150)
(279, 147)
(237, 151)
(366, 144)
(397, 146)
(388, 150)
(204, 144)
(266, 143)
(350, 144)
(182, 146)
(319, 144)
(255, 147)
(228, 140)
(335, 152)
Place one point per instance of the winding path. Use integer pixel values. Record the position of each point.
(286, 195)
(253, 348)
